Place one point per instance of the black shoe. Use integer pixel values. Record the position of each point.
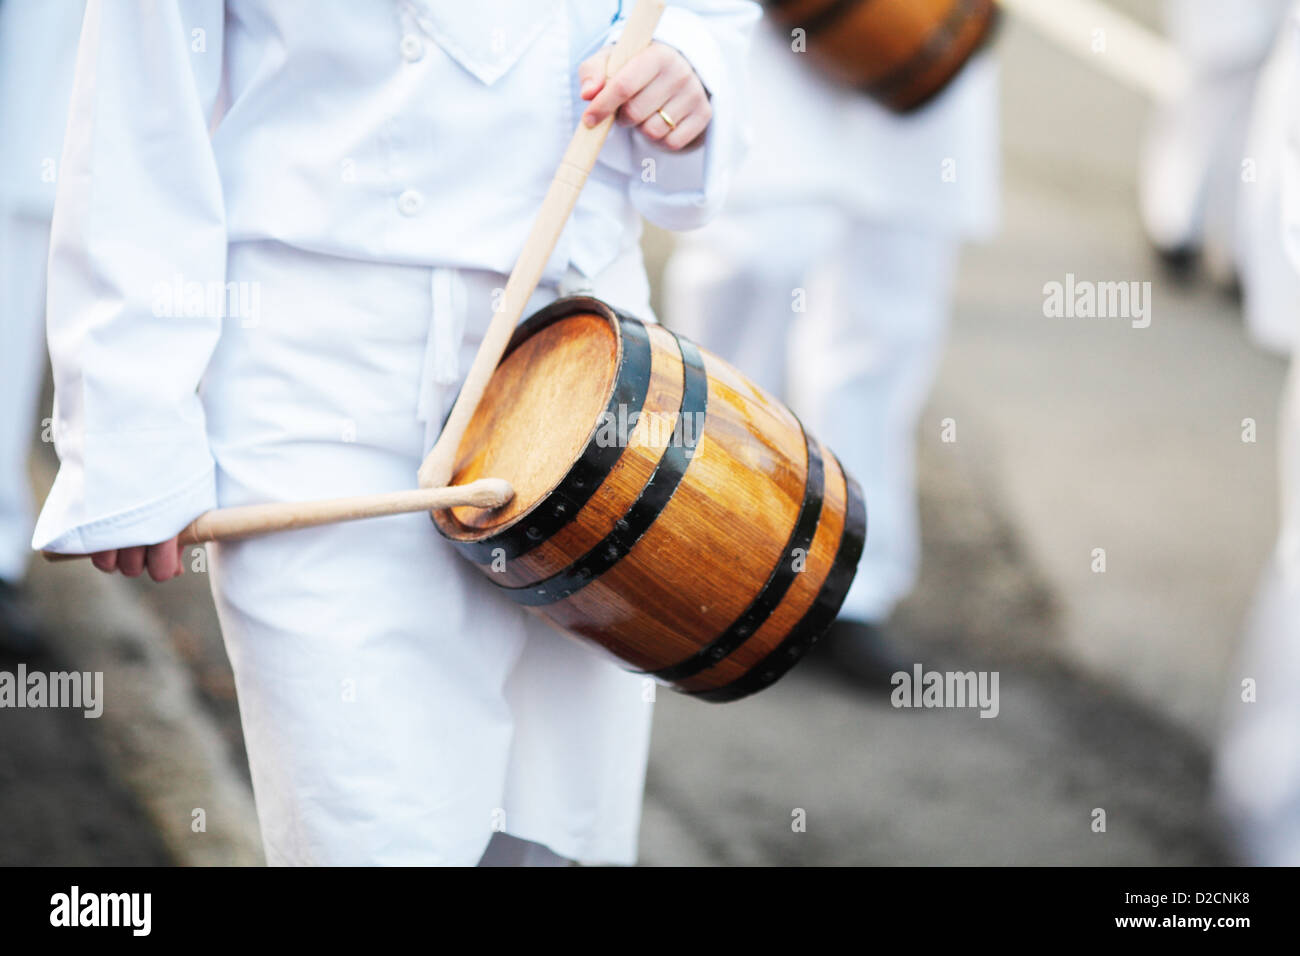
(1180, 263)
(862, 653)
(20, 628)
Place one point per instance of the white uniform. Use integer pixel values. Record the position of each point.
(1258, 762)
(1192, 156)
(854, 215)
(1269, 197)
(38, 45)
(361, 198)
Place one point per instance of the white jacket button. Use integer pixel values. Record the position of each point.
(412, 48)
(409, 202)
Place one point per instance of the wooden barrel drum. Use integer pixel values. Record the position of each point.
(899, 52)
(665, 509)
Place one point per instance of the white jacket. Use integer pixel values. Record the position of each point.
(418, 132)
(816, 141)
(38, 40)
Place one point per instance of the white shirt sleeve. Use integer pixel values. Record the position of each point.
(138, 214)
(683, 190)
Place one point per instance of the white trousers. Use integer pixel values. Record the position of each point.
(1257, 776)
(1191, 164)
(396, 710)
(845, 318)
(24, 245)
(1269, 199)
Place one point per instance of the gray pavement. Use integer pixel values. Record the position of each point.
(61, 797)
(880, 785)
(1095, 434)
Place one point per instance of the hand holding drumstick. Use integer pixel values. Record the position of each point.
(656, 91)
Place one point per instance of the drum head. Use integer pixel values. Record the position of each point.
(541, 409)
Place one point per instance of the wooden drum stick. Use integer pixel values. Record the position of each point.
(231, 524)
(569, 179)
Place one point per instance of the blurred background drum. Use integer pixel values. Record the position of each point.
(899, 52)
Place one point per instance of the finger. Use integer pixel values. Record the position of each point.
(690, 112)
(690, 130)
(591, 74)
(658, 92)
(678, 108)
(106, 561)
(130, 561)
(625, 84)
(163, 561)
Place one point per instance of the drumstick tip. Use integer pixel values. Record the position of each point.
(491, 492)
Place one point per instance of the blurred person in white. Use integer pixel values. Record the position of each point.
(1191, 157)
(38, 47)
(828, 279)
(1257, 773)
(364, 192)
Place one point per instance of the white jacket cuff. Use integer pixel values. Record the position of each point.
(688, 187)
(63, 526)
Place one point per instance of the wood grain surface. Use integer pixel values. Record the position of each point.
(714, 551)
